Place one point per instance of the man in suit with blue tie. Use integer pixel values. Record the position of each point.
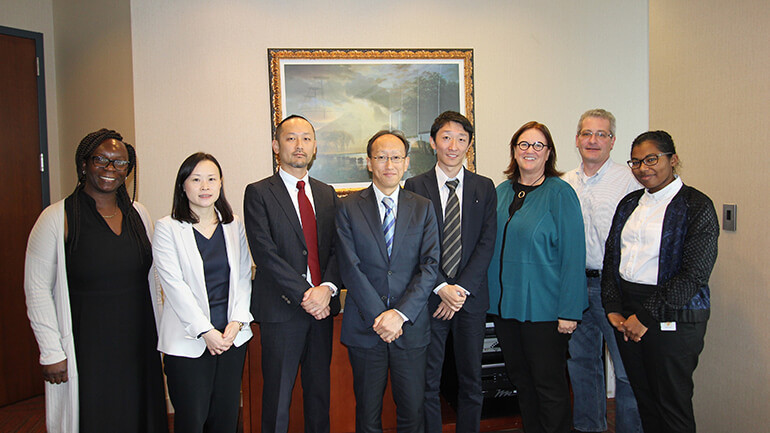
(466, 209)
(388, 254)
(289, 220)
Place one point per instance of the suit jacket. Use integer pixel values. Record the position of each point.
(478, 228)
(279, 250)
(180, 268)
(371, 278)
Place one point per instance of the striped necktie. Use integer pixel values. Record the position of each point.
(388, 223)
(450, 246)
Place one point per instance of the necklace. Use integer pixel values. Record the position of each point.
(522, 193)
(110, 216)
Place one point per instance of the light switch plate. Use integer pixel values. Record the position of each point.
(729, 214)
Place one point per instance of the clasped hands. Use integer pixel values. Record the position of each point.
(631, 327)
(218, 342)
(316, 301)
(389, 325)
(452, 299)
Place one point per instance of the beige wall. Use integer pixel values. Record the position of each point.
(93, 74)
(200, 72)
(37, 16)
(709, 88)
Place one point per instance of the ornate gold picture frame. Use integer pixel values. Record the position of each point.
(349, 94)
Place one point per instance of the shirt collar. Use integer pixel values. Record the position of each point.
(666, 193)
(291, 181)
(599, 173)
(380, 195)
(441, 177)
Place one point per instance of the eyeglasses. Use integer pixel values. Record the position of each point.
(600, 135)
(648, 160)
(538, 146)
(383, 159)
(103, 162)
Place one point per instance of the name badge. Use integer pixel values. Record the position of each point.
(668, 326)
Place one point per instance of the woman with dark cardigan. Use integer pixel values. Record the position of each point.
(659, 255)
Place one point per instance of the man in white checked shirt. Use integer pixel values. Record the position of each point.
(600, 183)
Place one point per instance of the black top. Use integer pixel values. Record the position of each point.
(120, 379)
(521, 194)
(216, 268)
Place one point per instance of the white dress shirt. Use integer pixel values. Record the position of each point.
(379, 195)
(291, 186)
(640, 238)
(443, 190)
(599, 195)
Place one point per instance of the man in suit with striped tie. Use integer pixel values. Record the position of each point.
(465, 207)
(388, 254)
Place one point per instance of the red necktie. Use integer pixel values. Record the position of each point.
(311, 233)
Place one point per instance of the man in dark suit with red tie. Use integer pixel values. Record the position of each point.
(289, 220)
(388, 253)
(466, 209)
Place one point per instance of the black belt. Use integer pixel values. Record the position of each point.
(593, 273)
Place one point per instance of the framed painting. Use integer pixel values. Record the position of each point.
(349, 94)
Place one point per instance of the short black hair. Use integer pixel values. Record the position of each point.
(293, 116)
(451, 116)
(180, 209)
(396, 133)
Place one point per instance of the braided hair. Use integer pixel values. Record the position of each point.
(136, 228)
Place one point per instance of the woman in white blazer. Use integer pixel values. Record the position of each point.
(203, 262)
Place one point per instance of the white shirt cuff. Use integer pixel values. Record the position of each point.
(331, 287)
(441, 286)
(403, 316)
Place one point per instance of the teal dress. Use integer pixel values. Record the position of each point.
(541, 274)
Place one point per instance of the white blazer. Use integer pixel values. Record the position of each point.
(186, 303)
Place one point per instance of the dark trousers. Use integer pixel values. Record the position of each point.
(205, 391)
(660, 369)
(285, 346)
(468, 339)
(370, 377)
(535, 356)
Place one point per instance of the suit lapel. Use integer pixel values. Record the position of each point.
(321, 200)
(187, 233)
(431, 185)
(469, 199)
(278, 189)
(403, 218)
(370, 210)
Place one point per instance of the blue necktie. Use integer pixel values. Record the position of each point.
(388, 223)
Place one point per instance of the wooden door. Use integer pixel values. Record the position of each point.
(23, 185)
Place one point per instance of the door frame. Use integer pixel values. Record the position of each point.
(41, 108)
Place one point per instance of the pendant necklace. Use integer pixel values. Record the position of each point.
(522, 193)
